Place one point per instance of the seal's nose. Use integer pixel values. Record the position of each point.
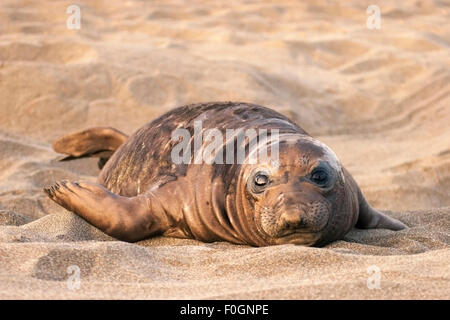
(293, 219)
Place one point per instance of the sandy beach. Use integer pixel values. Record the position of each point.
(380, 98)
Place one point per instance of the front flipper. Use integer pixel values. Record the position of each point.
(370, 218)
(127, 219)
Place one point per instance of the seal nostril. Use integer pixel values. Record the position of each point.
(293, 220)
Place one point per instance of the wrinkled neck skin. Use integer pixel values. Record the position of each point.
(199, 205)
(206, 205)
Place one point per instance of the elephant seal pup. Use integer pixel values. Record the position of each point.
(304, 197)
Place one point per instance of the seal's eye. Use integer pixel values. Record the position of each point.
(319, 177)
(259, 181)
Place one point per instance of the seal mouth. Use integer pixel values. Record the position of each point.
(306, 239)
(301, 236)
(287, 233)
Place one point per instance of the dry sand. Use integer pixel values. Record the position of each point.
(379, 98)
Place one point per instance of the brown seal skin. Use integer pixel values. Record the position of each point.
(307, 199)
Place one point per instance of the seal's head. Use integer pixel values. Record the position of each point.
(303, 198)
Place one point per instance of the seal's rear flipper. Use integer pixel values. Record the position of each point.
(96, 142)
(370, 218)
(129, 219)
